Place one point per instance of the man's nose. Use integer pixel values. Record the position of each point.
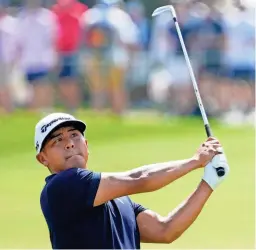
(69, 145)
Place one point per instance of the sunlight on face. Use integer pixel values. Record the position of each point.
(65, 148)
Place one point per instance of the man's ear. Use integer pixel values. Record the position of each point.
(42, 159)
(86, 142)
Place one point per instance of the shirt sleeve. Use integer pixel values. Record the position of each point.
(131, 37)
(138, 208)
(74, 189)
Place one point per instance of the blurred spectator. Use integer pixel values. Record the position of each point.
(210, 48)
(110, 35)
(114, 45)
(7, 56)
(69, 13)
(240, 58)
(136, 10)
(36, 35)
(167, 51)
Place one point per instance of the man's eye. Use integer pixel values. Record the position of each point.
(74, 134)
(58, 139)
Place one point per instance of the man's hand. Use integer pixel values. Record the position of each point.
(207, 151)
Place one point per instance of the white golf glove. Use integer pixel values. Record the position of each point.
(210, 173)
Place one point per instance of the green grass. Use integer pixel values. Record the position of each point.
(227, 222)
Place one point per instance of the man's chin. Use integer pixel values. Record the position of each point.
(76, 161)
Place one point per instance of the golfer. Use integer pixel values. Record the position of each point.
(89, 210)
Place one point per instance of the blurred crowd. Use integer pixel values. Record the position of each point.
(114, 56)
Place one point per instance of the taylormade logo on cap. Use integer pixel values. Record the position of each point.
(45, 126)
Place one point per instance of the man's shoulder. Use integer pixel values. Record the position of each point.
(58, 178)
(63, 175)
(66, 177)
(57, 183)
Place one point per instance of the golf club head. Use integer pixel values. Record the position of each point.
(163, 9)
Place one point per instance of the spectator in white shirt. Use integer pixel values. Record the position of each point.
(111, 36)
(166, 55)
(36, 38)
(240, 57)
(7, 55)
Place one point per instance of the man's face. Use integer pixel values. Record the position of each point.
(66, 148)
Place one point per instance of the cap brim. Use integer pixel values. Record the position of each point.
(77, 124)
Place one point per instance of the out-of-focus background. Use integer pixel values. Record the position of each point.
(123, 72)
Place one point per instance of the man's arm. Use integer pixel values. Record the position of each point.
(152, 177)
(141, 180)
(157, 229)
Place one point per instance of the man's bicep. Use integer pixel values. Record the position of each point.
(151, 226)
(114, 185)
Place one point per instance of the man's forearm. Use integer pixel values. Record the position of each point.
(141, 180)
(179, 220)
(156, 176)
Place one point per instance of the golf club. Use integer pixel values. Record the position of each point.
(169, 8)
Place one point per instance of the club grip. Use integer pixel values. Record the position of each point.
(220, 171)
(208, 130)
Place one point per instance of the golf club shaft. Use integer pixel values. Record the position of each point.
(198, 97)
(220, 170)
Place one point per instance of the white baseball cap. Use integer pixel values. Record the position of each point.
(46, 125)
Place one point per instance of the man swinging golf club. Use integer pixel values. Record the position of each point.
(89, 210)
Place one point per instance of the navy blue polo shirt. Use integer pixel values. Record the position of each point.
(67, 204)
